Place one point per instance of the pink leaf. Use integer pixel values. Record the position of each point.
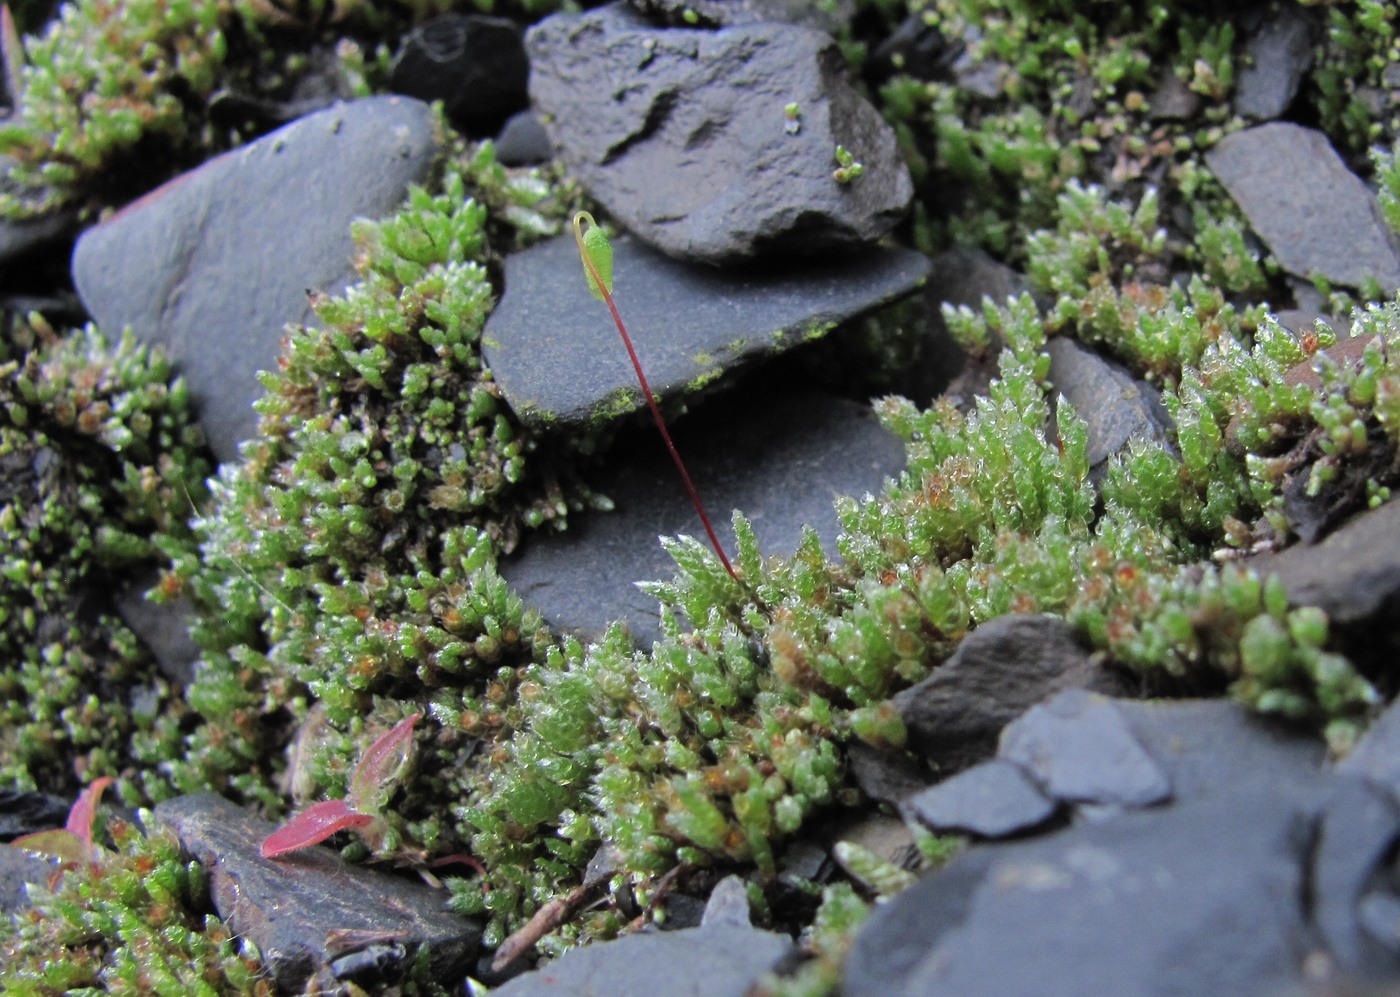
(85, 809)
(382, 762)
(72, 844)
(312, 826)
(63, 845)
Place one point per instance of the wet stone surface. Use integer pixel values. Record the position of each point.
(1315, 215)
(557, 356)
(179, 265)
(317, 921)
(781, 462)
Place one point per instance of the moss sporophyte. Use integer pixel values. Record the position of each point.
(596, 253)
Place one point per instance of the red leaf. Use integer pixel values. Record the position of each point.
(382, 762)
(312, 826)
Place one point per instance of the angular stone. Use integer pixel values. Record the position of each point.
(728, 904)
(557, 356)
(1204, 899)
(316, 920)
(684, 137)
(719, 960)
(1279, 54)
(780, 461)
(1351, 867)
(999, 671)
(1315, 215)
(1376, 757)
(1115, 406)
(1080, 750)
(212, 265)
(991, 800)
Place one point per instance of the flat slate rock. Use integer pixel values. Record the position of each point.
(557, 356)
(684, 137)
(1315, 215)
(716, 960)
(1079, 749)
(781, 462)
(1203, 899)
(991, 800)
(214, 264)
(317, 921)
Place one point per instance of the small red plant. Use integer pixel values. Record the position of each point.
(596, 253)
(379, 768)
(71, 844)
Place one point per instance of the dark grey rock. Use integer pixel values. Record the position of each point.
(728, 904)
(1080, 750)
(915, 48)
(826, 17)
(1315, 215)
(1376, 757)
(523, 141)
(474, 64)
(1218, 748)
(557, 356)
(316, 920)
(18, 868)
(212, 265)
(682, 135)
(958, 277)
(163, 627)
(781, 462)
(1355, 844)
(1116, 406)
(24, 812)
(885, 776)
(1279, 53)
(1353, 574)
(1202, 899)
(991, 800)
(721, 960)
(999, 671)
(21, 240)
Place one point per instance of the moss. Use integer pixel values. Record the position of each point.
(100, 461)
(347, 566)
(134, 924)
